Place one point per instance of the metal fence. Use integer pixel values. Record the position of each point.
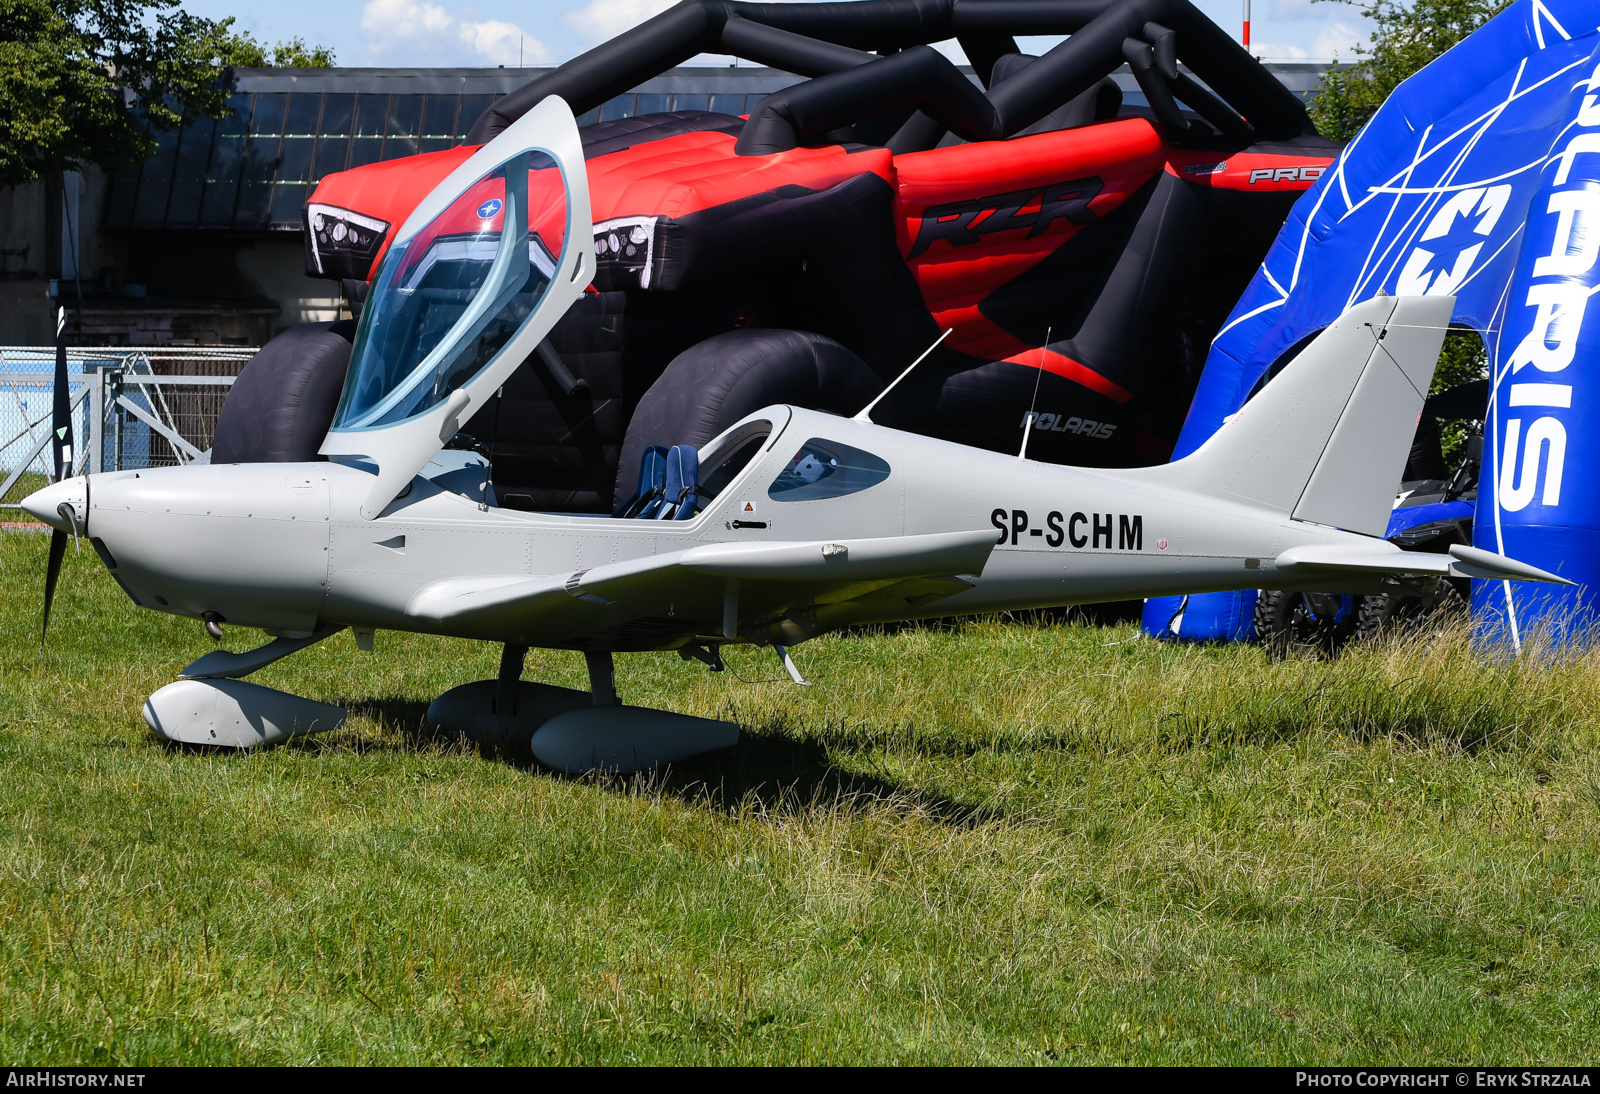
(132, 407)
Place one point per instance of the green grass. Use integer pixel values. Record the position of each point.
(998, 843)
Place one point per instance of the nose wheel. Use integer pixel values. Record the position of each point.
(213, 706)
(227, 713)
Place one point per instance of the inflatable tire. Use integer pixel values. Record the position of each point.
(280, 407)
(713, 384)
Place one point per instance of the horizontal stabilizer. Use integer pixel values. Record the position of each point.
(1385, 558)
(1379, 558)
(1472, 562)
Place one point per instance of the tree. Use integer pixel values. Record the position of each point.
(295, 54)
(1405, 38)
(241, 50)
(92, 81)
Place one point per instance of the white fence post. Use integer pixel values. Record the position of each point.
(97, 424)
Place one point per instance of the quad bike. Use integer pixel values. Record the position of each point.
(1077, 253)
(1433, 510)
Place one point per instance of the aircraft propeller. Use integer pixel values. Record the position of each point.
(61, 442)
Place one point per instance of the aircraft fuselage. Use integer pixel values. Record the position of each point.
(283, 547)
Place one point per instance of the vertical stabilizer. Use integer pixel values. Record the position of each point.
(1326, 440)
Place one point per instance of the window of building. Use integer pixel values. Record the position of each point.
(150, 207)
(225, 164)
(439, 123)
(254, 169)
(338, 111)
(405, 122)
(291, 182)
(189, 174)
(472, 108)
(372, 113)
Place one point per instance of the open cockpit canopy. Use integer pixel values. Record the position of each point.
(450, 296)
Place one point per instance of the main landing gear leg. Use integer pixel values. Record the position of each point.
(602, 679)
(503, 712)
(512, 659)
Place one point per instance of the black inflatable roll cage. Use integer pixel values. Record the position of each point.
(872, 60)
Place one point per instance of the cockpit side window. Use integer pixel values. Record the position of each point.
(827, 469)
(730, 457)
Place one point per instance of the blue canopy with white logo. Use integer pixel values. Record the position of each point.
(1478, 178)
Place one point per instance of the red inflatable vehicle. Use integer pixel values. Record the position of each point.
(1080, 251)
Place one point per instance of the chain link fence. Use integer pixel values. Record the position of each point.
(132, 407)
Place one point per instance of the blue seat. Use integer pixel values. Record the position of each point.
(681, 495)
(652, 484)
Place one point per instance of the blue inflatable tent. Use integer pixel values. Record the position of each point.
(1479, 177)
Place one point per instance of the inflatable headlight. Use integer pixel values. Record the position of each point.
(624, 250)
(341, 243)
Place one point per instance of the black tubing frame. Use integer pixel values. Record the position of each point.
(870, 58)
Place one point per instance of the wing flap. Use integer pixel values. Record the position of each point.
(809, 570)
(848, 560)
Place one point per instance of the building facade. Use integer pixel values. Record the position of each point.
(202, 243)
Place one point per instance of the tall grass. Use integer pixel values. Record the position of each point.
(992, 842)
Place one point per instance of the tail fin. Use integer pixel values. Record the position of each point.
(1326, 439)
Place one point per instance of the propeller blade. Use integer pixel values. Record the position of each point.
(52, 574)
(61, 409)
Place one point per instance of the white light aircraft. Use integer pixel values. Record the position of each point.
(790, 524)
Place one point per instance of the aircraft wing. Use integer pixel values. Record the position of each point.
(692, 585)
(1385, 558)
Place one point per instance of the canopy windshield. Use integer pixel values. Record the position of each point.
(449, 297)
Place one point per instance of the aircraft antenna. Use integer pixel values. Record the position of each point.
(866, 411)
(1027, 423)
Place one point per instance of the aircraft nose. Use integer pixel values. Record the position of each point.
(45, 504)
